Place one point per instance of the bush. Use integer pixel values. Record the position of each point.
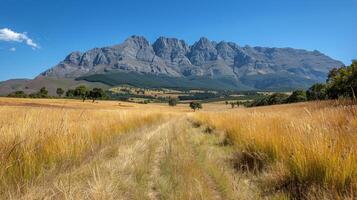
(316, 92)
(59, 92)
(96, 93)
(195, 106)
(276, 98)
(43, 93)
(173, 101)
(82, 92)
(70, 93)
(297, 96)
(18, 94)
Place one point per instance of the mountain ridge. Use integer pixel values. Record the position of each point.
(172, 57)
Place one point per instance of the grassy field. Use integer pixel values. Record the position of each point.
(41, 136)
(69, 149)
(306, 147)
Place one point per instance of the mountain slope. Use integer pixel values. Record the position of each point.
(160, 81)
(259, 68)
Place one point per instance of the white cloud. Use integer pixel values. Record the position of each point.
(12, 36)
(12, 49)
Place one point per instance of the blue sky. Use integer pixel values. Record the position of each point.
(45, 31)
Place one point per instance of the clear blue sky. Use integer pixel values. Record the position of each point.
(37, 34)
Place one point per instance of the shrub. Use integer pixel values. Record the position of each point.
(173, 101)
(316, 92)
(96, 93)
(59, 92)
(70, 93)
(276, 98)
(82, 92)
(195, 106)
(18, 94)
(297, 96)
(43, 93)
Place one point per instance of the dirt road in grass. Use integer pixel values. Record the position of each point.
(173, 160)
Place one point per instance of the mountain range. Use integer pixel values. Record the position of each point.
(172, 63)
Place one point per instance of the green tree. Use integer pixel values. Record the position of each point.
(43, 93)
(232, 104)
(316, 92)
(337, 83)
(82, 92)
(173, 101)
(96, 93)
(260, 102)
(297, 96)
(277, 98)
(342, 82)
(18, 94)
(59, 92)
(195, 106)
(70, 93)
(238, 103)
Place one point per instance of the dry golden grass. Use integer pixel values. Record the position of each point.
(309, 144)
(50, 145)
(40, 138)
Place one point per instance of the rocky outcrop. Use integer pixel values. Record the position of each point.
(175, 58)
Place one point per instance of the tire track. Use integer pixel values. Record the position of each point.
(153, 193)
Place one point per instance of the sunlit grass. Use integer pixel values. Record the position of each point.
(306, 145)
(315, 142)
(39, 141)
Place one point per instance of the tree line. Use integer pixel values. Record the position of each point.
(81, 92)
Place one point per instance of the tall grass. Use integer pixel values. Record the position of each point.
(316, 143)
(37, 142)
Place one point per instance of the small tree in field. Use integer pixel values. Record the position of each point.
(43, 93)
(96, 93)
(195, 106)
(238, 103)
(232, 104)
(82, 92)
(173, 102)
(60, 92)
(70, 93)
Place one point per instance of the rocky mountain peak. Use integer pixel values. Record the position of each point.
(225, 51)
(170, 48)
(257, 67)
(203, 43)
(137, 42)
(73, 58)
(202, 51)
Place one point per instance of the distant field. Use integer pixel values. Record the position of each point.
(69, 149)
